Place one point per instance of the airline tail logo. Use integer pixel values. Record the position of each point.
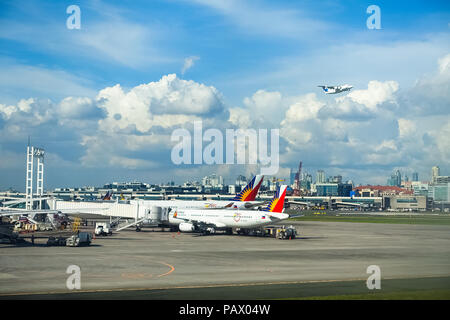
(251, 190)
(107, 195)
(277, 203)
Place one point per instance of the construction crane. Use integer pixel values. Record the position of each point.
(298, 176)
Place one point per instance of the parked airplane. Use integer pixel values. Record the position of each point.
(107, 196)
(208, 221)
(244, 199)
(336, 89)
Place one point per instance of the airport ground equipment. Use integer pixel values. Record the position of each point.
(286, 233)
(60, 241)
(76, 224)
(7, 233)
(80, 239)
(103, 229)
(280, 232)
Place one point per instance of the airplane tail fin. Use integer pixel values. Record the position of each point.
(251, 190)
(277, 203)
(107, 196)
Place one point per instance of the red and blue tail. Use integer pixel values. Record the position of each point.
(251, 190)
(107, 196)
(277, 203)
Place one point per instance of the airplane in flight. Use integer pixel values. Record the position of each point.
(208, 221)
(336, 89)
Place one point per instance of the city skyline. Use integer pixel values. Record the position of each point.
(240, 180)
(104, 99)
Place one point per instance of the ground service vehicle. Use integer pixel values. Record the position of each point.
(80, 239)
(103, 229)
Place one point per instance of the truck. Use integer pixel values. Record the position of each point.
(103, 229)
(80, 239)
(286, 233)
(53, 241)
(281, 232)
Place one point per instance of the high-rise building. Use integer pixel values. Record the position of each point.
(435, 172)
(213, 181)
(415, 176)
(327, 189)
(440, 192)
(320, 176)
(337, 179)
(398, 178)
(292, 176)
(395, 179)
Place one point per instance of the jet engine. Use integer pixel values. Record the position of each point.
(186, 227)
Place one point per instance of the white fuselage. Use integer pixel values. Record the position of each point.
(337, 89)
(195, 204)
(227, 218)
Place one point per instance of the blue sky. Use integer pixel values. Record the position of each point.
(258, 60)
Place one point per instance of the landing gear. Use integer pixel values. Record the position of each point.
(138, 229)
(229, 231)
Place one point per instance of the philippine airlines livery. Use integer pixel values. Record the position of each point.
(208, 221)
(243, 199)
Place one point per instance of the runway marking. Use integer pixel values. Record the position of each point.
(147, 276)
(209, 286)
(172, 268)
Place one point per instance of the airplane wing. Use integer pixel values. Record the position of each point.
(257, 204)
(202, 225)
(300, 203)
(296, 215)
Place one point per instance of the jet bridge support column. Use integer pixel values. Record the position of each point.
(40, 176)
(33, 152)
(29, 178)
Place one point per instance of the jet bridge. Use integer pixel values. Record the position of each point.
(156, 216)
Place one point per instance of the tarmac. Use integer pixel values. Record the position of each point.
(327, 258)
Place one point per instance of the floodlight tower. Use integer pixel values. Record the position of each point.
(33, 152)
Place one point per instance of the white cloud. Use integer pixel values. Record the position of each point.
(41, 82)
(377, 92)
(168, 102)
(240, 117)
(108, 37)
(444, 64)
(133, 132)
(306, 108)
(76, 107)
(130, 163)
(442, 138)
(265, 107)
(188, 63)
(406, 128)
(258, 18)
